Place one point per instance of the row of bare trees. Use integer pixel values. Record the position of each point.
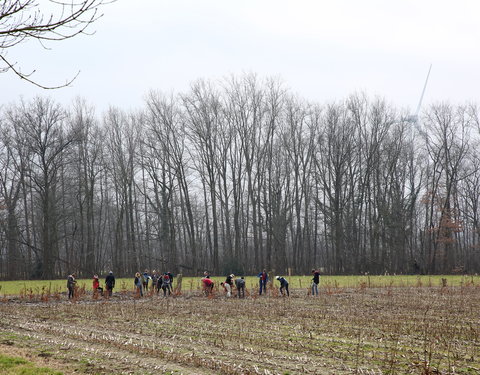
(238, 176)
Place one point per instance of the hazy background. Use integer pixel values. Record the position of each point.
(322, 50)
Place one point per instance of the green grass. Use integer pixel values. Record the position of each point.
(193, 283)
(19, 366)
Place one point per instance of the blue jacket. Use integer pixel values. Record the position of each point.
(283, 281)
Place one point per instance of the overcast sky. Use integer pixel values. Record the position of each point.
(322, 50)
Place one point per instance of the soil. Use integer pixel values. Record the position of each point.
(343, 331)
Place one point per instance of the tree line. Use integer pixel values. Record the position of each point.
(236, 176)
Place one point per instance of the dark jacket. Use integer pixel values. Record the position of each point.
(159, 282)
(283, 281)
(137, 282)
(110, 281)
(70, 281)
(165, 281)
(316, 277)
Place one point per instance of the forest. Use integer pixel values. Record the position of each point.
(234, 176)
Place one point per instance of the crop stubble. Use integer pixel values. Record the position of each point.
(414, 330)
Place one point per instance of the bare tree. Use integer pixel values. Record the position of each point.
(13, 155)
(122, 141)
(88, 151)
(203, 116)
(238, 176)
(298, 142)
(42, 129)
(334, 162)
(164, 163)
(43, 21)
(246, 104)
(448, 148)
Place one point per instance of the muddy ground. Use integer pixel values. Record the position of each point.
(415, 330)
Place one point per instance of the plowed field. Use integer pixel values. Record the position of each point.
(411, 330)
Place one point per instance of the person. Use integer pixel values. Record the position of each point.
(159, 283)
(315, 282)
(145, 278)
(97, 289)
(71, 285)
(283, 285)
(138, 284)
(207, 285)
(224, 286)
(263, 276)
(110, 283)
(229, 284)
(206, 274)
(170, 278)
(240, 285)
(166, 284)
(155, 278)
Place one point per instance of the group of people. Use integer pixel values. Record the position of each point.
(208, 285)
(239, 283)
(97, 289)
(164, 281)
(142, 282)
(230, 281)
(109, 285)
(263, 280)
(155, 281)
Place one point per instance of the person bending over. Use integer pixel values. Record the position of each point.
(283, 285)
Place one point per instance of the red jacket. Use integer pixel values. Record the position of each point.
(96, 284)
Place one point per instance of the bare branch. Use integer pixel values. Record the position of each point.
(55, 20)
